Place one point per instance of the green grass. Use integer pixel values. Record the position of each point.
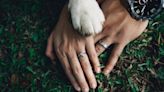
(24, 28)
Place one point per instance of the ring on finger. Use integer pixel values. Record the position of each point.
(104, 45)
(81, 54)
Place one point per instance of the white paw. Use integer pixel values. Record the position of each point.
(87, 17)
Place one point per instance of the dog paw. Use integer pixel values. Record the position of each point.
(87, 17)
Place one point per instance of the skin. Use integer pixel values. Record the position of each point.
(119, 29)
(68, 44)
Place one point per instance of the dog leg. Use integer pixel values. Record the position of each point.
(87, 17)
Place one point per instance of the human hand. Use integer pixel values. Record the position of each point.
(119, 29)
(74, 53)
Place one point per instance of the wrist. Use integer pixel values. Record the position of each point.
(143, 9)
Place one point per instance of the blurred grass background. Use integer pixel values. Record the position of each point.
(24, 28)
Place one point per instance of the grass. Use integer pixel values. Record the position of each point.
(24, 28)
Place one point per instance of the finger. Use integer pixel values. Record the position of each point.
(49, 49)
(86, 66)
(68, 71)
(93, 57)
(103, 34)
(116, 52)
(77, 70)
(103, 44)
(98, 37)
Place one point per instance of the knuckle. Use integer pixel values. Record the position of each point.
(72, 57)
(60, 50)
(86, 65)
(61, 47)
(79, 45)
(48, 54)
(57, 51)
(69, 50)
(115, 55)
(77, 71)
(122, 42)
(67, 68)
(93, 55)
(91, 77)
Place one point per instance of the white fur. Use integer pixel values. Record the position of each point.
(87, 17)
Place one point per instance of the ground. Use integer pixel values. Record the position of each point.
(24, 28)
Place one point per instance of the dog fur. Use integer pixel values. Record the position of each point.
(87, 16)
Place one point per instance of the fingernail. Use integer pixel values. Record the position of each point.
(78, 89)
(105, 72)
(86, 90)
(98, 70)
(93, 85)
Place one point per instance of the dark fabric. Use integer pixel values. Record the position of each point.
(52, 10)
(55, 7)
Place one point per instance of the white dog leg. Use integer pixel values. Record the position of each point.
(87, 17)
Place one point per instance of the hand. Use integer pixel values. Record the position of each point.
(74, 53)
(87, 17)
(119, 29)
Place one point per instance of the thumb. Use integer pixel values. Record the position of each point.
(49, 50)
